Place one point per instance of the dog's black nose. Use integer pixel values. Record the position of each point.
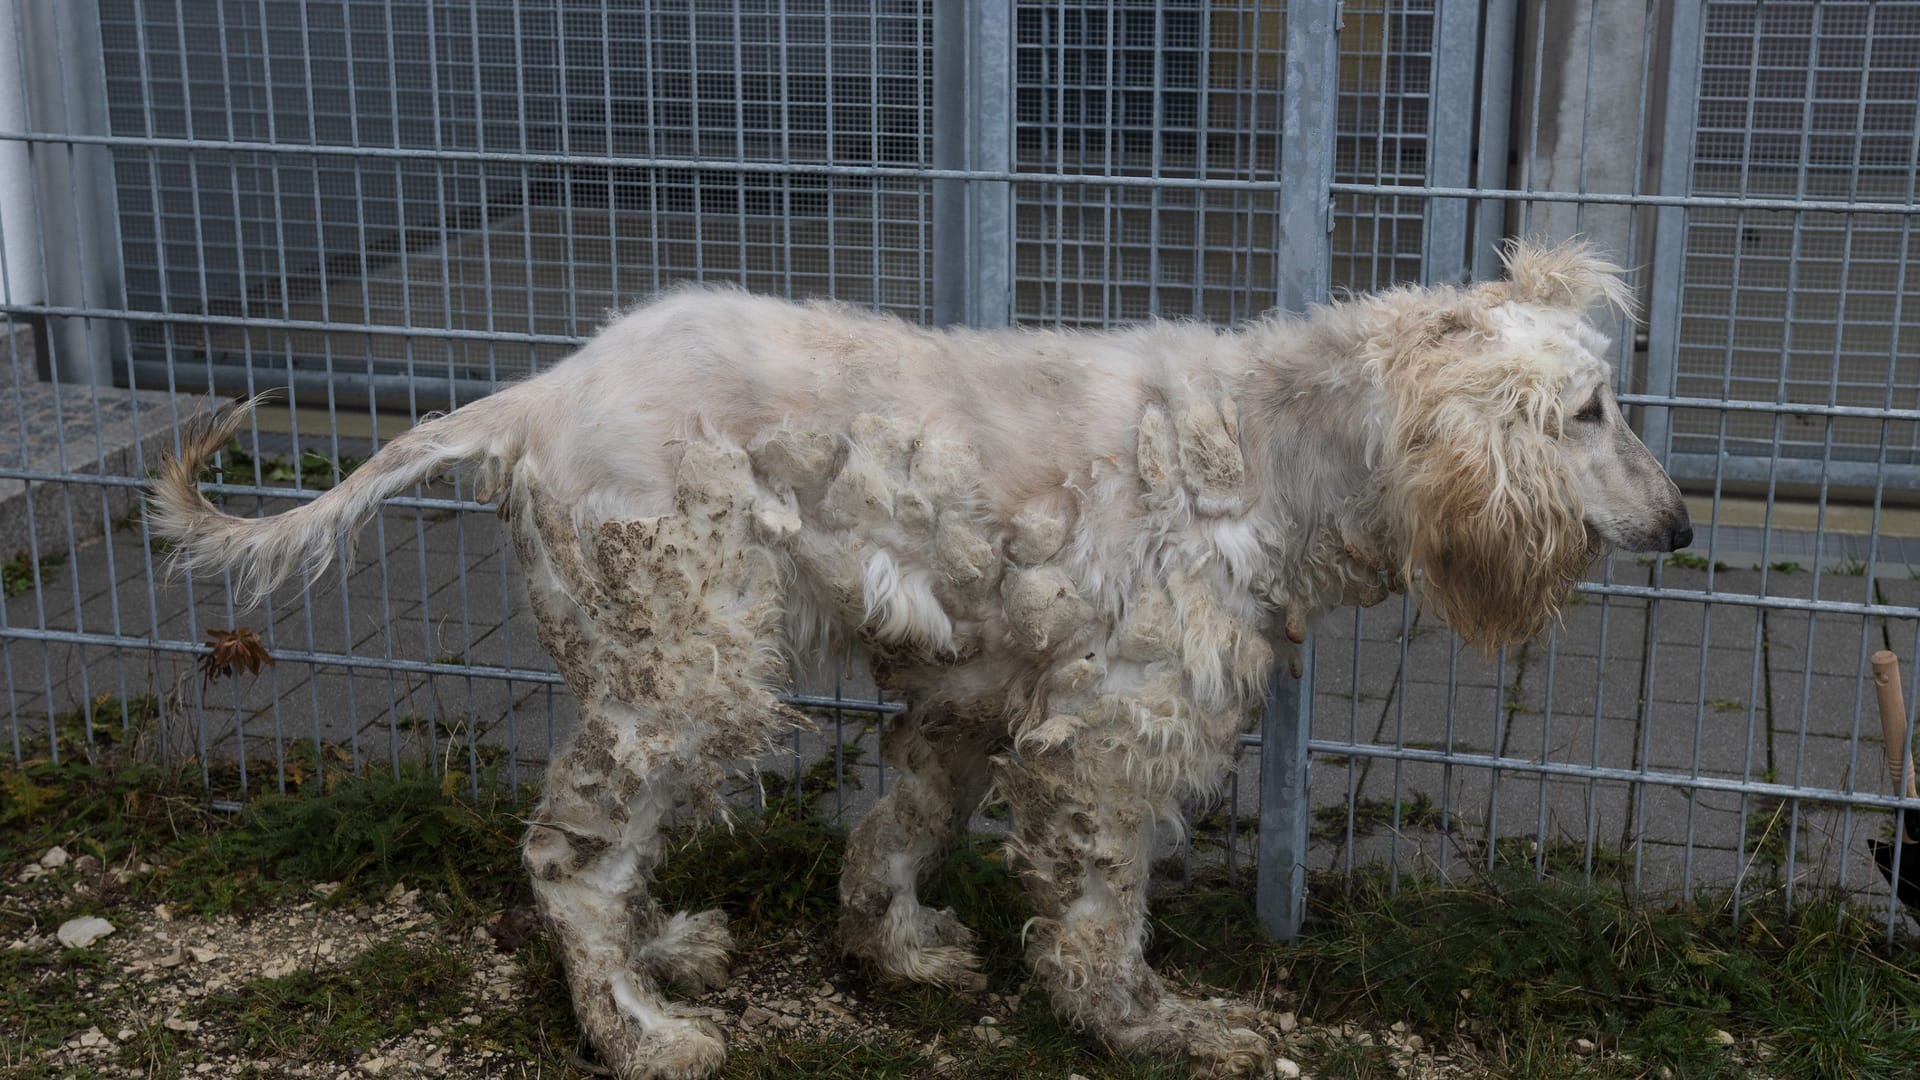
(1679, 538)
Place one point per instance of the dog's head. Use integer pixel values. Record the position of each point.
(1509, 464)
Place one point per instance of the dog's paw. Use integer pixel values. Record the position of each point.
(671, 1046)
(912, 943)
(679, 1049)
(1216, 1037)
(691, 952)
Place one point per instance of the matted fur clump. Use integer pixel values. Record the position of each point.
(1077, 556)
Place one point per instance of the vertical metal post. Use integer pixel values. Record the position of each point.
(66, 76)
(1497, 88)
(1456, 58)
(973, 129)
(1684, 37)
(1306, 219)
(1308, 109)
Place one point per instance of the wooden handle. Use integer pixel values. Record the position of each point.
(1893, 722)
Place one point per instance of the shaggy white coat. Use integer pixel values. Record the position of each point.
(1078, 555)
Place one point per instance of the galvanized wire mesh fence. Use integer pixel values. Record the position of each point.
(388, 206)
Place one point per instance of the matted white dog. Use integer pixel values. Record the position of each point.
(1077, 556)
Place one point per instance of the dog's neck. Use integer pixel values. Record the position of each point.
(1314, 431)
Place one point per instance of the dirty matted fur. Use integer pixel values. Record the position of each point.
(1078, 556)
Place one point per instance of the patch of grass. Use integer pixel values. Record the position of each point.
(1564, 859)
(93, 731)
(336, 1014)
(21, 574)
(312, 469)
(366, 834)
(1692, 561)
(1787, 566)
(47, 995)
(1531, 956)
(1849, 568)
(1765, 842)
(1343, 1059)
(1417, 812)
(1726, 705)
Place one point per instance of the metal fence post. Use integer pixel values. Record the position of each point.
(1684, 38)
(1306, 218)
(973, 129)
(65, 73)
(1450, 123)
(1496, 115)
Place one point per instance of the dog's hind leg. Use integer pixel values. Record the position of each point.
(664, 630)
(1084, 834)
(898, 844)
(591, 850)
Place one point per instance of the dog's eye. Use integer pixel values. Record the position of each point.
(1592, 412)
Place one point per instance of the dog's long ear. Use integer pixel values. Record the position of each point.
(1490, 516)
(1571, 275)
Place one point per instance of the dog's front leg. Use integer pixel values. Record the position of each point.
(1083, 838)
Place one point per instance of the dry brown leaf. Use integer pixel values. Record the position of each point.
(231, 652)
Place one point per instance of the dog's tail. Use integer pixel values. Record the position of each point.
(265, 552)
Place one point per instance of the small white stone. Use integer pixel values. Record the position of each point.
(176, 1023)
(173, 959)
(84, 931)
(163, 912)
(55, 857)
(992, 1036)
(1287, 1023)
(1584, 1046)
(1723, 1038)
(93, 1036)
(202, 955)
(1286, 1067)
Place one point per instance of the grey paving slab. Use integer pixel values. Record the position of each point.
(1600, 626)
(1583, 687)
(1718, 626)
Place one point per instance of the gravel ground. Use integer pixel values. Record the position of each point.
(162, 969)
